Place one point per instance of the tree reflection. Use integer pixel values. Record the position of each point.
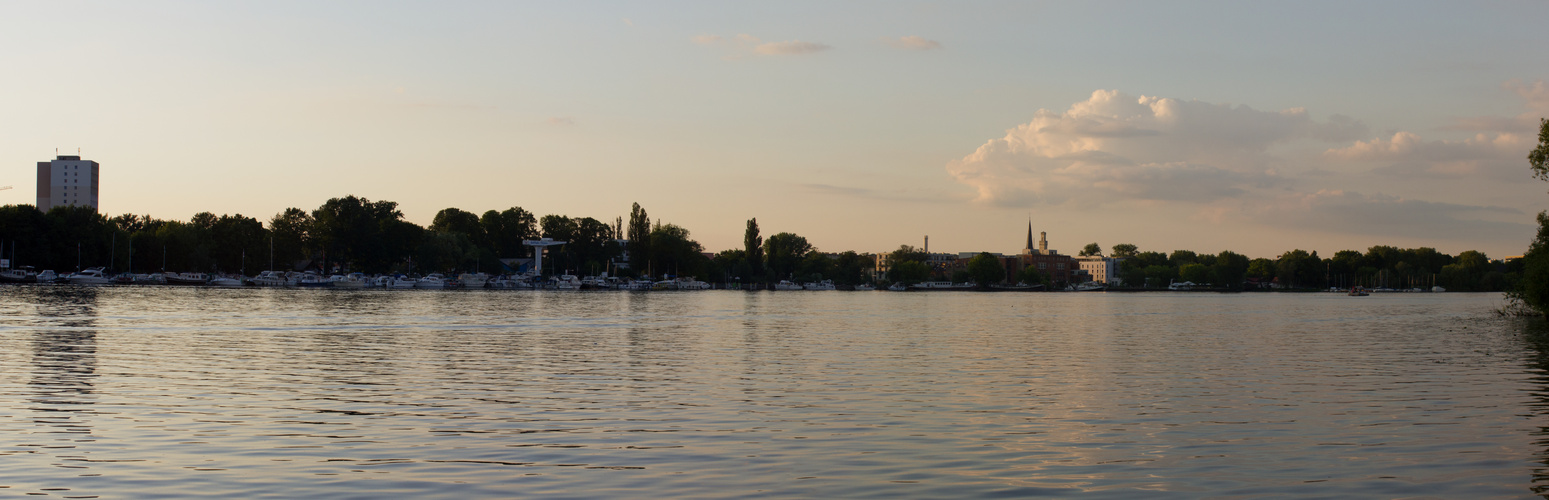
(64, 358)
(1535, 334)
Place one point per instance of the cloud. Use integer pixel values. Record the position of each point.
(629, 22)
(1384, 215)
(560, 121)
(745, 45)
(792, 47)
(912, 43)
(1496, 155)
(1535, 97)
(1115, 146)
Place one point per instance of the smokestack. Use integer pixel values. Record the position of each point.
(927, 246)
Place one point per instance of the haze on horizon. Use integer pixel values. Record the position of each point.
(861, 125)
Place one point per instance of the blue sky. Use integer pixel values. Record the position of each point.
(1210, 126)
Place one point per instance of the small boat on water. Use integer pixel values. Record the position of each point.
(432, 281)
(1358, 292)
(690, 283)
(19, 275)
(941, 286)
(186, 279)
(473, 280)
(93, 276)
(48, 276)
(865, 287)
(1090, 286)
(227, 281)
(353, 280)
(272, 278)
(1019, 287)
(310, 279)
(820, 285)
(897, 287)
(787, 285)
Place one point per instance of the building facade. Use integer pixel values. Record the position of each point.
(1102, 269)
(68, 181)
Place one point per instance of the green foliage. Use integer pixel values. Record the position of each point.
(985, 269)
(1181, 257)
(1091, 249)
(1538, 159)
(782, 252)
(1124, 250)
(639, 236)
(906, 253)
(1533, 288)
(673, 252)
(505, 230)
(1030, 275)
(1300, 269)
(753, 250)
(1199, 274)
(908, 272)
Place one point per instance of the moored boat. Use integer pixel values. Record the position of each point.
(432, 281)
(186, 279)
(93, 276)
(19, 275)
(787, 285)
(820, 285)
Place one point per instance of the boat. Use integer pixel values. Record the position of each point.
(19, 275)
(820, 285)
(690, 283)
(565, 282)
(865, 287)
(432, 281)
(353, 280)
(47, 276)
(310, 279)
(938, 286)
(1090, 286)
(226, 281)
(473, 280)
(186, 279)
(93, 276)
(897, 287)
(400, 282)
(1438, 289)
(1358, 292)
(124, 279)
(271, 278)
(787, 285)
(1181, 286)
(1019, 287)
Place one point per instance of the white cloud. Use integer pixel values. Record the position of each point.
(745, 45)
(792, 47)
(1535, 97)
(1114, 146)
(912, 43)
(1391, 216)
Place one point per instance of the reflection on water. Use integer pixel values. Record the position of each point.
(308, 393)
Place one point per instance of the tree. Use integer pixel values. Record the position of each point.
(672, 251)
(1030, 275)
(291, 231)
(1198, 274)
(1533, 288)
(908, 272)
(986, 269)
(1091, 249)
(639, 237)
(505, 230)
(906, 253)
(783, 251)
(1124, 250)
(753, 248)
(1538, 159)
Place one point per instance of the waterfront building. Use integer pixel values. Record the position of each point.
(1061, 269)
(67, 181)
(1102, 269)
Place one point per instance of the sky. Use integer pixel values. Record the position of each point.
(1207, 126)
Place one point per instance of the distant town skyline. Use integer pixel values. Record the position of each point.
(860, 126)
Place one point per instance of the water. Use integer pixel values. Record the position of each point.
(255, 393)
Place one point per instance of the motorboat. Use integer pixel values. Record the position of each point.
(1090, 286)
(566, 282)
(941, 286)
(93, 276)
(1182, 286)
(19, 275)
(432, 281)
(665, 285)
(473, 280)
(897, 287)
(1358, 292)
(1019, 287)
(310, 279)
(821, 285)
(226, 281)
(690, 283)
(352, 280)
(865, 287)
(186, 279)
(47, 276)
(401, 282)
(271, 278)
(788, 285)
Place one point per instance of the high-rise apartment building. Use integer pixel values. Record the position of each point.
(67, 180)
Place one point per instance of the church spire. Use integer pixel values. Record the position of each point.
(1029, 248)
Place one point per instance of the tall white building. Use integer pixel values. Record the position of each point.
(1102, 269)
(68, 180)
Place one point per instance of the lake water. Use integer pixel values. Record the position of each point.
(264, 393)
